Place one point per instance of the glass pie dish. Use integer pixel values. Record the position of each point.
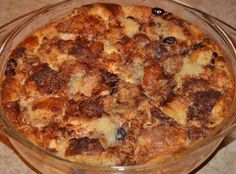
(14, 32)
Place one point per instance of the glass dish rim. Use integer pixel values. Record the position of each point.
(16, 135)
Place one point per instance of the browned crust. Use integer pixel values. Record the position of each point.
(84, 146)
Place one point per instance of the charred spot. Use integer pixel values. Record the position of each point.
(110, 79)
(120, 134)
(80, 48)
(12, 110)
(85, 48)
(213, 57)
(164, 119)
(208, 96)
(91, 108)
(64, 45)
(47, 80)
(203, 104)
(194, 84)
(85, 146)
(11, 66)
(195, 133)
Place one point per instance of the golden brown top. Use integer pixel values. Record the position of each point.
(112, 85)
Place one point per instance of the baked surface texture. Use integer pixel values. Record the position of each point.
(117, 85)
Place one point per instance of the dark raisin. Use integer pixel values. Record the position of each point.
(170, 40)
(120, 135)
(11, 65)
(158, 11)
(130, 17)
(198, 46)
(202, 44)
(213, 57)
(20, 52)
(159, 52)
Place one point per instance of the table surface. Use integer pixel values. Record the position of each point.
(223, 161)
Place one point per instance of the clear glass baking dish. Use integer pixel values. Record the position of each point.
(15, 31)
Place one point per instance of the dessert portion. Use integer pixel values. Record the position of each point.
(117, 85)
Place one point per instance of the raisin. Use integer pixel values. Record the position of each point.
(130, 17)
(120, 135)
(202, 44)
(158, 11)
(11, 65)
(159, 52)
(198, 46)
(170, 40)
(213, 58)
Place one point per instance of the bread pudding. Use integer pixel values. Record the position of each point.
(110, 85)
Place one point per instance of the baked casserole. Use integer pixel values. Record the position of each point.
(111, 85)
